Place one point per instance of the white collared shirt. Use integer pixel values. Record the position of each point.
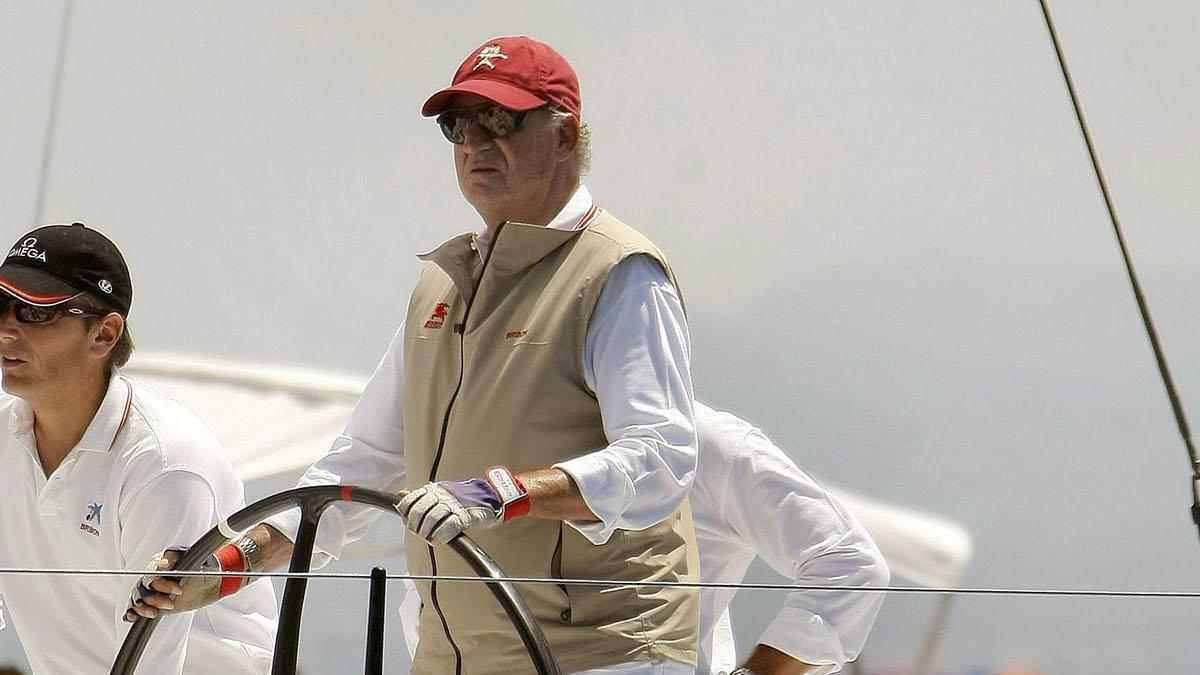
(750, 500)
(636, 360)
(146, 475)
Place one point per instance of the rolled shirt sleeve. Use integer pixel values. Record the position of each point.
(810, 538)
(369, 453)
(636, 359)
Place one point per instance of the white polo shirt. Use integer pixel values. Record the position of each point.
(146, 475)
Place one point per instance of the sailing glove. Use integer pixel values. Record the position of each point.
(439, 512)
(242, 555)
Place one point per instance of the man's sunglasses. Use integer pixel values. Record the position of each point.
(26, 313)
(492, 119)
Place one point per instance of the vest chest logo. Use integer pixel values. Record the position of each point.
(514, 334)
(92, 517)
(438, 318)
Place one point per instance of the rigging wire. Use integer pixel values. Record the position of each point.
(52, 115)
(1042, 592)
(1159, 355)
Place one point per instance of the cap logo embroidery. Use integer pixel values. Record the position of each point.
(28, 249)
(485, 56)
(105, 285)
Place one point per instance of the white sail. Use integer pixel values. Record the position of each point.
(276, 419)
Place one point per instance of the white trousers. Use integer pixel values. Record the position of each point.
(643, 668)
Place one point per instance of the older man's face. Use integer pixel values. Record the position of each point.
(510, 177)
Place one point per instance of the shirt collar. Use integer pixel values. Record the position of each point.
(20, 421)
(572, 216)
(101, 434)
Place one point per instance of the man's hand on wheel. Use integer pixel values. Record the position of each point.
(439, 512)
(157, 593)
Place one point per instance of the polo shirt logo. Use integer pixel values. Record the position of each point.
(93, 516)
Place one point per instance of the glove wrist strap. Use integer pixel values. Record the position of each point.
(514, 498)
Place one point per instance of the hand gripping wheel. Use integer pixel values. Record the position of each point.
(312, 502)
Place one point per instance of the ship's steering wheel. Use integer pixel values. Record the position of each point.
(312, 502)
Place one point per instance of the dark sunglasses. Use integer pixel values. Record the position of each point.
(492, 119)
(26, 313)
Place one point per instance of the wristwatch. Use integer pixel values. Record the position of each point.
(252, 553)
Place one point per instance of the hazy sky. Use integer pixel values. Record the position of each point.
(882, 214)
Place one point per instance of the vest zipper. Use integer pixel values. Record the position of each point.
(556, 572)
(461, 329)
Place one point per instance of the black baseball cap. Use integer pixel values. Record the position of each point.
(55, 263)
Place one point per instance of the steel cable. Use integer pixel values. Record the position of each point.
(1159, 355)
(60, 61)
(952, 590)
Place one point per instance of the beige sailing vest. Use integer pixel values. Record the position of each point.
(494, 376)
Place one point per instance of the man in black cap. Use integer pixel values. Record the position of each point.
(99, 473)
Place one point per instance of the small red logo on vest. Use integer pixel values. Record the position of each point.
(513, 334)
(438, 318)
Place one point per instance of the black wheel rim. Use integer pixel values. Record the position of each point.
(312, 502)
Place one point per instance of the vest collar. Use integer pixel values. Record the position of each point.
(458, 259)
(573, 216)
(521, 246)
(518, 246)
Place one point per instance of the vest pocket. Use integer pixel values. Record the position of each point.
(656, 554)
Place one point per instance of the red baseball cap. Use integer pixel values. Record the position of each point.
(516, 72)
